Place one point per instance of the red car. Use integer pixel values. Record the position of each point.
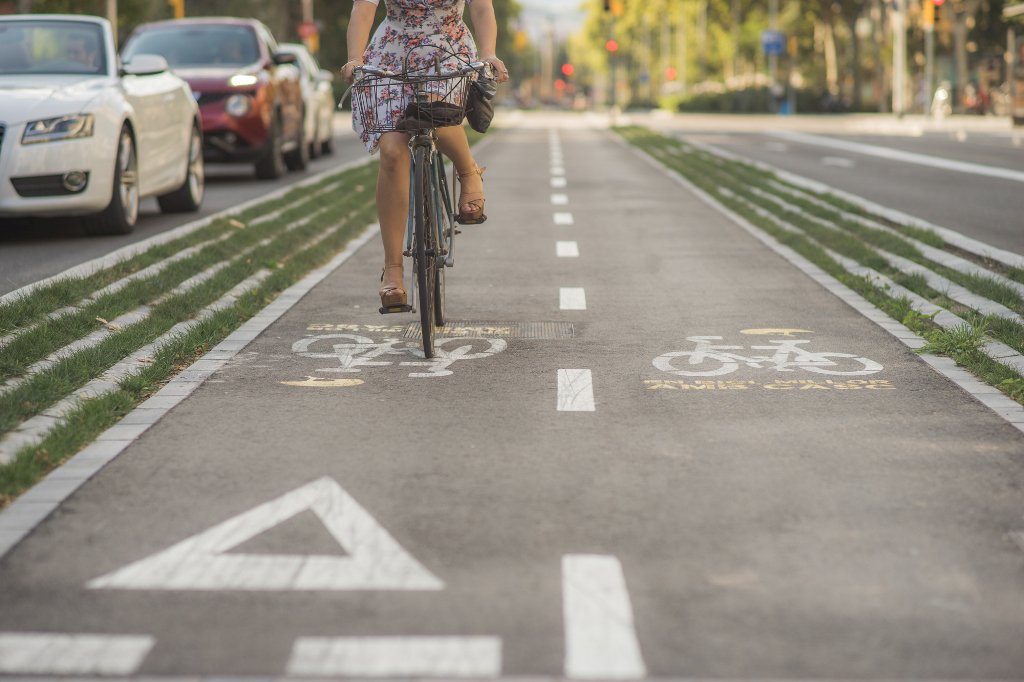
(249, 93)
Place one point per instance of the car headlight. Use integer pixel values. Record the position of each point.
(238, 105)
(60, 128)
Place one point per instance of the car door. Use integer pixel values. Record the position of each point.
(162, 129)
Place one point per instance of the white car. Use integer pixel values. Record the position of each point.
(82, 135)
(317, 98)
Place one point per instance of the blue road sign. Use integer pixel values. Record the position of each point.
(773, 43)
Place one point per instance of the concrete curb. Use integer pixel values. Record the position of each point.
(989, 396)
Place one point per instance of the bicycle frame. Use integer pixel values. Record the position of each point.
(444, 216)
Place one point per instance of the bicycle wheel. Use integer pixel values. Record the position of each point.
(425, 249)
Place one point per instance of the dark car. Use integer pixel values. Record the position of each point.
(248, 91)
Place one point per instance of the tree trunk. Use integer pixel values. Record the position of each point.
(960, 54)
(855, 63)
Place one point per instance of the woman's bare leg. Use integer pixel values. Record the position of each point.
(454, 144)
(393, 201)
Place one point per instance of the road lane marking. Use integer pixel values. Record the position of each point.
(477, 657)
(575, 390)
(374, 560)
(837, 162)
(32, 653)
(600, 639)
(567, 250)
(564, 219)
(905, 157)
(559, 199)
(572, 298)
(559, 183)
(557, 171)
(808, 385)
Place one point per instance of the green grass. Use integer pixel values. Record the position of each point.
(731, 182)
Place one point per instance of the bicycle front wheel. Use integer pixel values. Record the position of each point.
(425, 246)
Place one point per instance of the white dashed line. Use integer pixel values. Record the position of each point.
(557, 171)
(559, 183)
(49, 654)
(476, 657)
(575, 390)
(572, 298)
(567, 250)
(600, 640)
(564, 219)
(559, 199)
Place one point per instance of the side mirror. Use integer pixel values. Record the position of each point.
(282, 58)
(145, 65)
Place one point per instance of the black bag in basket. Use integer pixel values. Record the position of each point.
(479, 108)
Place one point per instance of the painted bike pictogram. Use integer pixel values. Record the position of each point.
(354, 353)
(708, 359)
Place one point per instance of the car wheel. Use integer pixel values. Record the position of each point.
(298, 158)
(189, 197)
(314, 144)
(120, 216)
(327, 146)
(271, 165)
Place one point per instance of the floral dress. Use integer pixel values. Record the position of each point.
(415, 34)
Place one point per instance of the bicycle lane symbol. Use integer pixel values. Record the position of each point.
(355, 353)
(709, 359)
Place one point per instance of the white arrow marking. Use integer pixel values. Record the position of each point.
(375, 560)
(600, 640)
(476, 657)
(30, 653)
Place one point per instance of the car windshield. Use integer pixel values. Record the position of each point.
(61, 47)
(186, 46)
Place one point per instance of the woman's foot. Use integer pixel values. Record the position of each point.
(471, 198)
(392, 292)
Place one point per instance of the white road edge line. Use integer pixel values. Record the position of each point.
(576, 390)
(29, 510)
(1009, 410)
(899, 155)
(572, 298)
(600, 638)
(31, 653)
(473, 657)
(125, 252)
(567, 250)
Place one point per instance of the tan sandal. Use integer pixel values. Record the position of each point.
(391, 294)
(474, 200)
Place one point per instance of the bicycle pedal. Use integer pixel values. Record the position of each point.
(394, 309)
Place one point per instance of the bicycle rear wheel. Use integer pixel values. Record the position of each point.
(425, 247)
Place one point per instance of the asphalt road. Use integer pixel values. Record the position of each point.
(37, 249)
(985, 208)
(760, 525)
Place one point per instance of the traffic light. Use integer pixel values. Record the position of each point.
(616, 7)
(612, 45)
(568, 70)
(671, 73)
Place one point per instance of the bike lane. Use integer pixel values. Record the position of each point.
(481, 522)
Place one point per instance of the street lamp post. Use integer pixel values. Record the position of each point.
(112, 17)
(899, 59)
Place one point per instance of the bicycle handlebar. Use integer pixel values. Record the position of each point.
(363, 71)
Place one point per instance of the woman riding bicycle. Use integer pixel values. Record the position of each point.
(398, 44)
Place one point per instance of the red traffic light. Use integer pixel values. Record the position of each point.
(939, 3)
(612, 45)
(671, 73)
(568, 70)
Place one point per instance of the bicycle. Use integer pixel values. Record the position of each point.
(434, 101)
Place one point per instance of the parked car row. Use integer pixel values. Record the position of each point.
(86, 132)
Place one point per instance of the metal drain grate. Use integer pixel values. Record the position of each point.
(539, 331)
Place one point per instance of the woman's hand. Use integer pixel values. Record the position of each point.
(348, 71)
(500, 70)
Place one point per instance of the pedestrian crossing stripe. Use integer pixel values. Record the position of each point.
(373, 559)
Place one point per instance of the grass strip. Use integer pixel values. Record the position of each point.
(50, 385)
(50, 335)
(717, 180)
(35, 305)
